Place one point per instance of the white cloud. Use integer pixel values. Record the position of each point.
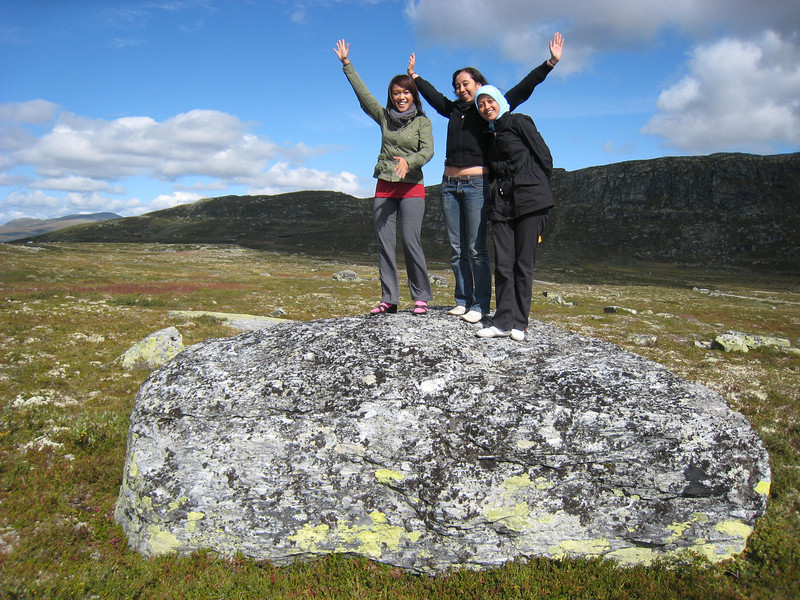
(90, 158)
(737, 95)
(740, 92)
(27, 201)
(520, 29)
(33, 112)
(280, 178)
(174, 199)
(73, 183)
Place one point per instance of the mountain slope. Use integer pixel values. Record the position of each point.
(25, 228)
(723, 209)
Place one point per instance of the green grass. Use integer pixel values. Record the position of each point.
(68, 310)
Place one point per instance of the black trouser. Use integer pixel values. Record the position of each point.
(515, 244)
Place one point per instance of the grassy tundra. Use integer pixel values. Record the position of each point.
(67, 310)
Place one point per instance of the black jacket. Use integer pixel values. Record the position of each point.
(465, 124)
(520, 165)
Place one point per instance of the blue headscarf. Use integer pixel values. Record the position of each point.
(490, 90)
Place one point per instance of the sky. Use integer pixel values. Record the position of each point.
(131, 107)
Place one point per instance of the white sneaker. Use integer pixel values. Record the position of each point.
(517, 335)
(457, 310)
(492, 332)
(473, 316)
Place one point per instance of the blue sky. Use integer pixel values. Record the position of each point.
(131, 107)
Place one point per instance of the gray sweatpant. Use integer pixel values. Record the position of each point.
(384, 213)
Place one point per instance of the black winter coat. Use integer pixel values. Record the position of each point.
(520, 165)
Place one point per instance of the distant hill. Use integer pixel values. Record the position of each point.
(26, 228)
(723, 209)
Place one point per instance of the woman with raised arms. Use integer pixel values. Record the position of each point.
(406, 145)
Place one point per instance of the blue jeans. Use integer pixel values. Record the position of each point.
(464, 208)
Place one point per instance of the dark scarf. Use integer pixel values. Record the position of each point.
(401, 118)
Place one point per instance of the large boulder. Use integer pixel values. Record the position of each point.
(412, 442)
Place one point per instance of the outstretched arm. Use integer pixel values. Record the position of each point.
(523, 90)
(368, 102)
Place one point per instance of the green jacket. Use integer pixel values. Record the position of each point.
(413, 141)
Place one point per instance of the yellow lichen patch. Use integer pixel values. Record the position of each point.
(585, 547)
(734, 528)
(678, 529)
(191, 520)
(517, 482)
(763, 488)
(309, 536)
(387, 475)
(516, 518)
(525, 444)
(133, 468)
(162, 542)
(709, 551)
(177, 503)
(633, 556)
(372, 539)
(542, 483)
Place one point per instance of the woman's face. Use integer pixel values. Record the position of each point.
(466, 86)
(488, 107)
(402, 98)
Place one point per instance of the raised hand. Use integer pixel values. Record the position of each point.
(343, 52)
(412, 61)
(556, 45)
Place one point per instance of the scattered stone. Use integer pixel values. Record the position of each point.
(9, 540)
(153, 351)
(557, 298)
(278, 312)
(737, 341)
(645, 339)
(620, 309)
(414, 443)
(438, 281)
(346, 275)
(41, 443)
(703, 345)
(240, 321)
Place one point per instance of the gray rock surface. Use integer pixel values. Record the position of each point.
(410, 441)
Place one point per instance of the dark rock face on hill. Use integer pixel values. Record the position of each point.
(724, 209)
(719, 209)
(414, 443)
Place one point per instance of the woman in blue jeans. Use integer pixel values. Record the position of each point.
(463, 191)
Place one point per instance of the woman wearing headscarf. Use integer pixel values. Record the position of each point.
(520, 165)
(406, 145)
(463, 190)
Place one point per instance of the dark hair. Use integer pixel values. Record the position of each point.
(407, 83)
(476, 75)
